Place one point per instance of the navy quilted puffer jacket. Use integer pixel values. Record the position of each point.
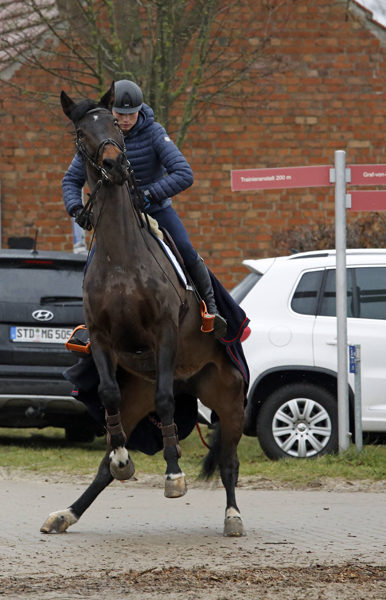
(158, 164)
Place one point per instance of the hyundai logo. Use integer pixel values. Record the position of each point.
(43, 315)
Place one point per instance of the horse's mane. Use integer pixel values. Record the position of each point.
(81, 109)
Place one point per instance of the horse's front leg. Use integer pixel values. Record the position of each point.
(121, 465)
(175, 484)
(60, 520)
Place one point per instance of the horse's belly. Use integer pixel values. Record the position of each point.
(141, 363)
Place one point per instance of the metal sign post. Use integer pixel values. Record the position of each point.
(341, 297)
(355, 367)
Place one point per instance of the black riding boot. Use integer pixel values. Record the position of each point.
(201, 279)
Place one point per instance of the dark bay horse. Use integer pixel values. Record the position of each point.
(142, 321)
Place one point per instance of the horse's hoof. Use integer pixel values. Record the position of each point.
(121, 465)
(175, 485)
(233, 525)
(58, 521)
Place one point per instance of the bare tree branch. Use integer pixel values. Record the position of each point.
(189, 51)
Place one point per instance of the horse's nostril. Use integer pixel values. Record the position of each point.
(108, 163)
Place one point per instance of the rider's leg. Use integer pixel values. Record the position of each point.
(201, 278)
(168, 218)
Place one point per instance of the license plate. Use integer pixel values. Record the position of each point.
(41, 335)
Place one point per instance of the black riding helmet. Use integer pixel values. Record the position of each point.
(128, 97)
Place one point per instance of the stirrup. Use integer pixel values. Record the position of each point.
(79, 341)
(214, 323)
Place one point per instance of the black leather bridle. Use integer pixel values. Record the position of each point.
(94, 160)
(134, 193)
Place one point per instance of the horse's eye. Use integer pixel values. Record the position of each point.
(116, 122)
(79, 134)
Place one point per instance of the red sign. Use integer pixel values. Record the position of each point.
(368, 174)
(285, 177)
(368, 200)
(292, 177)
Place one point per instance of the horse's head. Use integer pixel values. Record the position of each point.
(98, 137)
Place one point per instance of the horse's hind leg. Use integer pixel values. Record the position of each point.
(121, 465)
(227, 391)
(229, 468)
(175, 483)
(60, 520)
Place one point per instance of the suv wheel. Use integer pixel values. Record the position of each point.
(298, 420)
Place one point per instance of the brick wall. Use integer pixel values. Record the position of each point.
(36, 147)
(330, 96)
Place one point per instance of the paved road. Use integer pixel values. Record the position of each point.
(134, 527)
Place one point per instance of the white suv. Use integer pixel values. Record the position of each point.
(292, 348)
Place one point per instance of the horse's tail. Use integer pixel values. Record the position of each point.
(211, 460)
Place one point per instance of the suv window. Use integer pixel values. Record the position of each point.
(62, 282)
(370, 285)
(366, 293)
(305, 298)
(244, 287)
(328, 299)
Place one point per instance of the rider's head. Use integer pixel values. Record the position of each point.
(128, 102)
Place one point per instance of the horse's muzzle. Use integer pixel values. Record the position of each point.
(116, 168)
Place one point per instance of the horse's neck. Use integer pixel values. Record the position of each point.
(116, 223)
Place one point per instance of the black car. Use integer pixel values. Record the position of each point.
(40, 304)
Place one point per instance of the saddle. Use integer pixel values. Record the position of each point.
(206, 318)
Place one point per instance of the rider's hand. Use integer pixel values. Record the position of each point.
(84, 220)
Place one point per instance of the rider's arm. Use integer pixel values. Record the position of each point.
(72, 184)
(178, 176)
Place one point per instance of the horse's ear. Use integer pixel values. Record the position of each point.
(107, 101)
(67, 104)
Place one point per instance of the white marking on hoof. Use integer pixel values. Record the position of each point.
(174, 476)
(175, 485)
(58, 521)
(233, 525)
(232, 512)
(121, 465)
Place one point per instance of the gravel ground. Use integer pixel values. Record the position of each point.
(326, 542)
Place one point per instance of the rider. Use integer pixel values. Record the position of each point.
(161, 171)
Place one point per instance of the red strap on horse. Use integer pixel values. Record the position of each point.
(201, 436)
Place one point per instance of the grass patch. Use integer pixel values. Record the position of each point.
(46, 451)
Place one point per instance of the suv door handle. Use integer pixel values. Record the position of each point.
(335, 342)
